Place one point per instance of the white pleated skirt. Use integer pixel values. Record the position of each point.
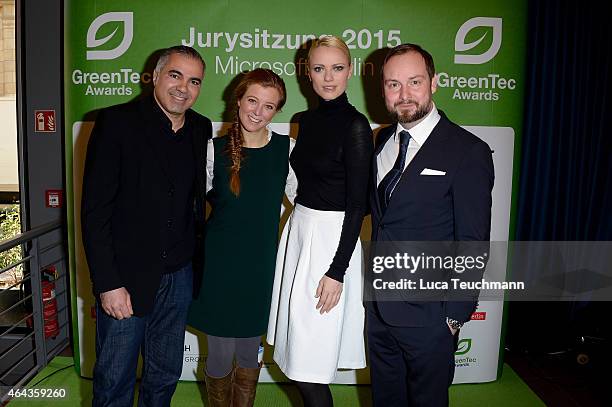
(308, 346)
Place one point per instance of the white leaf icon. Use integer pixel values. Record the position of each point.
(127, 18)
(460, 44)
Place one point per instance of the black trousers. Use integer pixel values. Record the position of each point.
(410, 366)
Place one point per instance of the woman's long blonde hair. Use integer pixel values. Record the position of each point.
(332, 42)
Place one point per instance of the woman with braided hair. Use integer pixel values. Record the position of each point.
(248, 173)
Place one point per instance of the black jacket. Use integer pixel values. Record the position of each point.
(453, 207)
(124, 181)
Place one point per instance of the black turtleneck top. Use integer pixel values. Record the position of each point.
(331, 160)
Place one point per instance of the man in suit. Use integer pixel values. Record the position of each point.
(143, 189)
(433, 182)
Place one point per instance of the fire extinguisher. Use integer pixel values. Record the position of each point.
(51, 323)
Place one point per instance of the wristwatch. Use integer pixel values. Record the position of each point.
(454, 323)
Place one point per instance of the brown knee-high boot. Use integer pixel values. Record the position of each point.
(244, 386)
(219, 390)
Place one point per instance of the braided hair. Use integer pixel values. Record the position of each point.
(233, 149)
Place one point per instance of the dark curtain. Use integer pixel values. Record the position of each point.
(565, 184)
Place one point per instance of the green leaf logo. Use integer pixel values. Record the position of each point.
(464, 346)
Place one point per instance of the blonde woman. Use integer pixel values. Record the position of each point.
(317, 316)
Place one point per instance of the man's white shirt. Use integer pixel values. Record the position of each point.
(418, 135)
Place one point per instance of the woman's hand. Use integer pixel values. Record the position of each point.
(328, 293)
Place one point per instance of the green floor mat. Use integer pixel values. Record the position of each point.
(509, 390)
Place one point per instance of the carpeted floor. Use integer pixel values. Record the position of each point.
(510, 390)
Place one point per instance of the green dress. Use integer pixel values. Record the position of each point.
(241, 242)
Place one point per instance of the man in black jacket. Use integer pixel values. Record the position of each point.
(432, 183)
(142, 188)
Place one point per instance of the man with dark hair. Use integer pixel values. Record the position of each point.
(433, 182)
(142, 197)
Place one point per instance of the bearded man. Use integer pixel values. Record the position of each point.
(433, 182)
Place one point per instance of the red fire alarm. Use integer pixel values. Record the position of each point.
(53, 198)
(44, 121)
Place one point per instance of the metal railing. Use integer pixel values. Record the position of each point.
(34, 327)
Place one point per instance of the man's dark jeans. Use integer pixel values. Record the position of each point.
(160, 336)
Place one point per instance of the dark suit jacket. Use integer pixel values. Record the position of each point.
(453, 207)
(126, 176)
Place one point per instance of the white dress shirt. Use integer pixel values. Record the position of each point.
(418, 135)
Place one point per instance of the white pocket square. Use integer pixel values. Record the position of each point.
(428, 171)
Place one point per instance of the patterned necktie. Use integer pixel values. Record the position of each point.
(388, 183)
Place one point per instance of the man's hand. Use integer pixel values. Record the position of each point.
(117, 303)
(328, 293)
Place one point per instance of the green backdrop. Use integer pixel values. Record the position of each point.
(478, 47)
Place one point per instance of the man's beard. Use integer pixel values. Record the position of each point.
(407, 117)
